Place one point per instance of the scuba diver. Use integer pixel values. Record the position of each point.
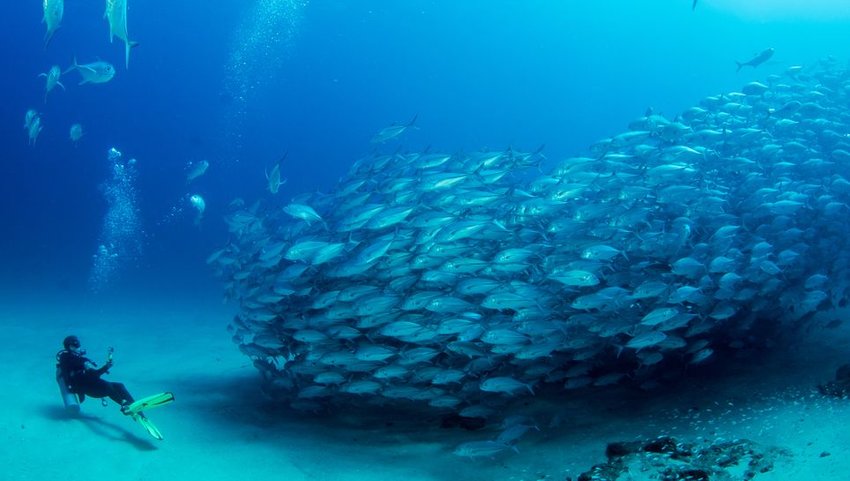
(82, 377)
(79, 376)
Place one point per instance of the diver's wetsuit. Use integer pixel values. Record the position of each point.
(83, 378)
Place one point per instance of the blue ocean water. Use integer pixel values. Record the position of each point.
(248, 84)
(244, 84)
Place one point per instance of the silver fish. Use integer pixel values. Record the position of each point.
(29, 117)
(647, 339)
(33, 129)
(303, 212)
(576, 278)
(482, 449)
(759, 59)
(274, 179)
(116, 16)
(76, 133)
(506, 385)
(657, 316)
(199, 204)
(95, 72)
(196, 170)
(393, 131)
(51, 80)
(54, 10)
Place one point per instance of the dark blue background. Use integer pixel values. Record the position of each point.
(478, 73)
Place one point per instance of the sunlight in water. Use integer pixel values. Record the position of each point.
(784, 9)
(260, 46)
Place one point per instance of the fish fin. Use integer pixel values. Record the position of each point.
(60, 84)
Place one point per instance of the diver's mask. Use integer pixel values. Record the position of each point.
(75, 347)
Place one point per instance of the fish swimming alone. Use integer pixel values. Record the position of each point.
(54, 10)
(33, 126)
(76, 133)
(28, 118)
(196, 169)
(98, 72)
(393, 131)
(199, 204)
(116, 15)
(759, 59)
(51, 80)
(274, 180)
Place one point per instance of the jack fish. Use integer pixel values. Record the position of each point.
(274, 179)
(759, 59)
(196, 170)
(76, 133)
(116, 15)
(53, 12)
(51, 80)
(200, 206)
(393, 131)
(32, 125)
(98, 72)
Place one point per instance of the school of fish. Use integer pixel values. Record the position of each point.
(463, 281)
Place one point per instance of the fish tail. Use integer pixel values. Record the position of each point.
(127, 46)
(48, 37)
(739, 66)
(72, 67)
(413, 120)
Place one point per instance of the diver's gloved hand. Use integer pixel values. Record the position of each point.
(104, 369)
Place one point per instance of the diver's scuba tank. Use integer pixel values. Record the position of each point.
(72, 402)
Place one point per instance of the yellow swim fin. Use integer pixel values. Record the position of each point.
(148, 425)
(149, 402)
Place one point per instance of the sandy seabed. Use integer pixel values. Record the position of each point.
(221, 427)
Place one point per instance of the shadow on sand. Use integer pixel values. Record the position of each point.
(99, 427)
